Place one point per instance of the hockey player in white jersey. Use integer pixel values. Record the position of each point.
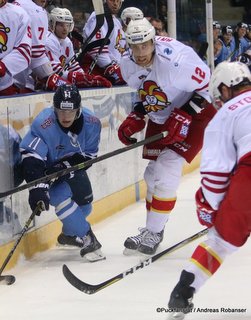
(172, 84)
(62, 136)
(223, 200)
(108, 59)
(40, 66)
(15, 45)
(130, 13)
(60, 51)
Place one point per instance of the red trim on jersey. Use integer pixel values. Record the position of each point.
(206, 259)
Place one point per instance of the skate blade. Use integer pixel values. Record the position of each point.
(66, 246)
(176, 316)
(130, 252)
(94, 256)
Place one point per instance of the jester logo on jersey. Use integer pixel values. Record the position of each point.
(118, 45)
(154, 99)
(3, 37)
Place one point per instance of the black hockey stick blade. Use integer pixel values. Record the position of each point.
(83, 165)
(7, 280)
(93, 288)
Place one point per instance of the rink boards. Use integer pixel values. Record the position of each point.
(117, 182)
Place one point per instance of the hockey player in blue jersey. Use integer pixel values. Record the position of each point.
(62, 136)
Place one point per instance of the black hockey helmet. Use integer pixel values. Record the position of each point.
(67, 97)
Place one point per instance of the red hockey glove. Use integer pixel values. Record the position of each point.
(133, 123)
(177, 126)
(206, 214)
(85, 80)
(113, 73)
(54, 81)
(2, 69)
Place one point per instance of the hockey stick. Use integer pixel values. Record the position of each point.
(9, 279)
(110, 24)
(100, 18)
(93, 288)
(83, 165)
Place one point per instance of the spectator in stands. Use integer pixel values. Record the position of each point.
(159, 27)
(61, 54)
(247, 39)
(239, 41)
(216, 34)
(40, 66)
(15, 45)
(106, 59)
(227, 45)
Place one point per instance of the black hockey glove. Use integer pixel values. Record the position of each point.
(67, 163)
(39, 193)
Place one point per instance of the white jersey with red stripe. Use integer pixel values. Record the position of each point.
(117, 46)
(175, 74)
(15, 42)
(227, 140)
(39, 28)
(61, 55)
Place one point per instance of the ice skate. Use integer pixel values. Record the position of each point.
(91, 248)
(132, 243)
(150, 242)
(73, 241)
(181, 297)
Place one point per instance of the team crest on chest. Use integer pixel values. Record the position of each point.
(153, 98)
(3, 37)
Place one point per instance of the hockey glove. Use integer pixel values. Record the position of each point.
(206, 214)
(2, 69)
(113, 73)
(68, 162)
(84, 80)
(54, 81)
(39, 193)
(132, 124)
(177, 126)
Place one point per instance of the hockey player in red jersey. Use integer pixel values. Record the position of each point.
(222, 205)
(172, 83)
(60, 51)
(15, 45)
(108, 59)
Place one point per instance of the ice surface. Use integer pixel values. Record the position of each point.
(41, 291)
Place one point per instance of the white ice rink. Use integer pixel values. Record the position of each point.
(41, 291)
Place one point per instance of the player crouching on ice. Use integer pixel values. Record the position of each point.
(62, 136)
(222, 205)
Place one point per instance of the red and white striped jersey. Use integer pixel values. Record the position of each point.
(61, 55)
(39, 29)
(15, 41)
(227, 139)
(117, 46)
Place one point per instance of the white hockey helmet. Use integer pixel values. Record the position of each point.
(60, 15)
(139, 31)
(229, 74)
(131, 13)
